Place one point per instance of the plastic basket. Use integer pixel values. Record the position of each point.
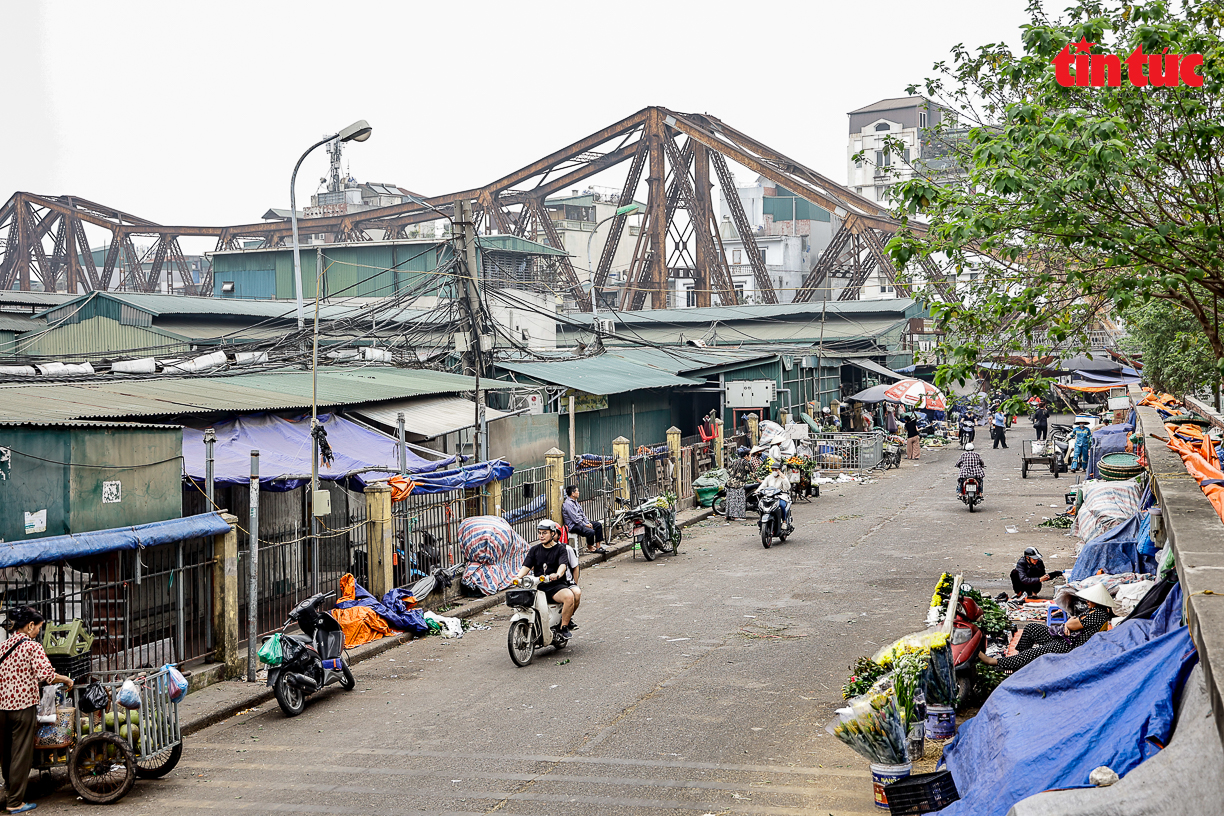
(520, 597)
(76, 667)
(921, 793)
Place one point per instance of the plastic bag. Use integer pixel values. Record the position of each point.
(178, 683)
(271, 652)
(59, 733)
(129, 695)
(46, 706)
(93, 698)
(448, 627)
(872, 725)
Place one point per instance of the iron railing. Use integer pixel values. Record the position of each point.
(143, 607)
(524, 499)
(596, 481)
(427, 533)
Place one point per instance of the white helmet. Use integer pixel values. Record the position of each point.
(969, 446)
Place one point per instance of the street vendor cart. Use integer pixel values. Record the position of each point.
(1035, 452)
(107, 749)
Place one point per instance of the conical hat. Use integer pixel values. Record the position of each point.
(1098, 594)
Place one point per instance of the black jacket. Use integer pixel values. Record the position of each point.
(1030, 572)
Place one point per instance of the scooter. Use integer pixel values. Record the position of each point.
(968, 429)
(527, 629)
(655, 529)
(311, 660)
(971, 492)
(772, 517)
(966, 642)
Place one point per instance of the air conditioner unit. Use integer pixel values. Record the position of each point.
(605, 326)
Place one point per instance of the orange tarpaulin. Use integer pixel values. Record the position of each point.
(1202, 469)
(360, 623)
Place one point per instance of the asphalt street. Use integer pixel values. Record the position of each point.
(699, 683)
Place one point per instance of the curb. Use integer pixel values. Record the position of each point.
(369, 650)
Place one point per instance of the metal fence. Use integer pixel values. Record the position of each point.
(648, 473)
(596, 481)
(141, 606)
(427, 534)
(524, 499)
(847, 451)
(293, 565)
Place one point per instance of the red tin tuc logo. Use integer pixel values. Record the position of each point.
(1099, 70)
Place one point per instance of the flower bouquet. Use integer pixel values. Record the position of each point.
(872, 726)
(941, 683)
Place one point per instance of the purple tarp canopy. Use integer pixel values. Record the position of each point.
(284, 450)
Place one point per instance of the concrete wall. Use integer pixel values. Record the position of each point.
(523, 440)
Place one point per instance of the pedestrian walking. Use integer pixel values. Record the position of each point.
(890, 421)
(1041, 420)
(737, 477)
(23, 666)
(912, 448)
(999, 427)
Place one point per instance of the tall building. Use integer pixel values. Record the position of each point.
(790, 233)
(577, 218)
(910, 120)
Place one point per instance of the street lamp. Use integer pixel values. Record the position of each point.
(625, 210)
(359, 131)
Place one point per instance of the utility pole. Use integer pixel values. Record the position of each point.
(466, 253)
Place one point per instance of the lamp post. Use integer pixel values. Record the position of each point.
(359, 131)
(625, 210)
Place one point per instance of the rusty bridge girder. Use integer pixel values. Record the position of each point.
(43, 239)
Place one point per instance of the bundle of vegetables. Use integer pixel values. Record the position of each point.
(866, 671)
(1062, 522)
(941, 682)
(987, 679)
(994, 621)
(910, 675)
(873, 727)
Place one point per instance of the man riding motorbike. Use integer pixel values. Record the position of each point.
(778, 481)
(548, 561)
(971, 467)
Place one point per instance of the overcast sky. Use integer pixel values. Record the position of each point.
(194, 113)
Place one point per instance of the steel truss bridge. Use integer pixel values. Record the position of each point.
(678, 154)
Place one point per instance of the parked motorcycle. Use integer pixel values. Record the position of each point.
(966, 642)
(971, 492)
(655, 529)
(311, 660)
(772, 520)
(528, 631)
(1062, 437)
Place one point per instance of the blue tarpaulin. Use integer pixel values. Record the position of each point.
(77, 545)
(285, 448)
(1110, 702)
(391, 608)
(467, 476)
(1116, 551)
(1107, 440)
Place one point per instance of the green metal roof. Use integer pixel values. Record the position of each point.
(19, 323)
(159, 305)
(271, 391)
(619, 370)
(13, 297)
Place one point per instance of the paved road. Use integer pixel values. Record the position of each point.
(696, 684)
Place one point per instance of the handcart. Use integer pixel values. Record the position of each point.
(106, 750)
(1038, 452)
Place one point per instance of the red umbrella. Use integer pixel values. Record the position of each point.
(918, 394)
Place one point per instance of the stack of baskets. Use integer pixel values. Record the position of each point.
(67, 647)
(1118, 467)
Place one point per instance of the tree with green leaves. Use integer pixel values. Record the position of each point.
(1176, 355)
(1075, 203)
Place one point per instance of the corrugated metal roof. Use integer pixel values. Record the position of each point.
(159, 305)
(429, 417)
(893, 307)
(876, 368)
(165, 396)
(808, 331)
(19, 323)
(18, 298)
(85, 423)
(629, 369)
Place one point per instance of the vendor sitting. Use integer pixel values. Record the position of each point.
(1030, 573)
(1038, 639)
